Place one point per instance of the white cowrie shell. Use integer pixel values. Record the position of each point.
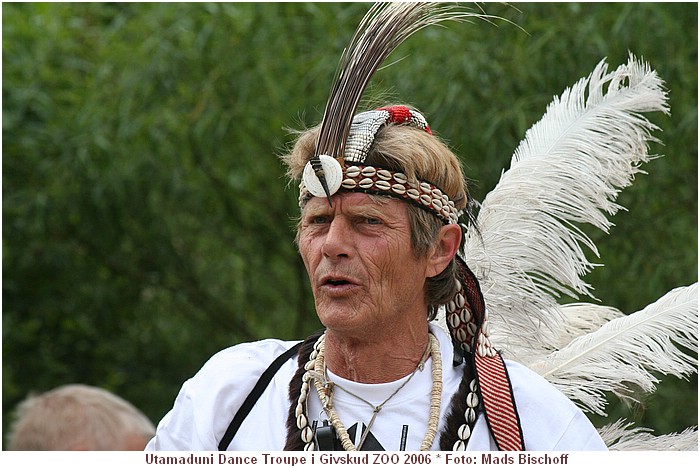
(349, 184)
(464, 432)
(307, 434)
(384, 174)
(382, 185)
(368, 171)
(413, 193)
(352, 171)
(472, 400)
(398, 189)
(400, 178)
(366, 183)
(461, 334)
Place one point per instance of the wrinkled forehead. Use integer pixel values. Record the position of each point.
(356, 204)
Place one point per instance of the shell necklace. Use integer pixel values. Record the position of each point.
(316, 371)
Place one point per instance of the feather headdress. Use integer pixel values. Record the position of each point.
(620, 356)
(567, 171)
(382, 30)
(530, 251)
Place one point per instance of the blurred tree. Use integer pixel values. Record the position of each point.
(146, 219)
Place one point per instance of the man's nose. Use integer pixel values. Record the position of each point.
(337, 242)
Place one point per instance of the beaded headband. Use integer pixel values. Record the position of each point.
(351, 174)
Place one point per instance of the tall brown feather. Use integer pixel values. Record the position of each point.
(385, 26)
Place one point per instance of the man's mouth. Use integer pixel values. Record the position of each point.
(336, 282)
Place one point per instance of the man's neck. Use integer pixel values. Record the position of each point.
(375, 359)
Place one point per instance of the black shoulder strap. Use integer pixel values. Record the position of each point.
(254, 394)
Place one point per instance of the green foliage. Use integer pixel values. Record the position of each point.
(147, 222)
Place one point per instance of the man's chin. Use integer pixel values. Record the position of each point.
(339, 317)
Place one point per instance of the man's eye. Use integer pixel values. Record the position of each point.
(319, 219)
(370, 220)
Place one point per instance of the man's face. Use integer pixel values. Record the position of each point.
(364, 273)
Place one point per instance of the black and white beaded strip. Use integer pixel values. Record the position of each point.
(465, 430)
(462, 324)
(300, 411)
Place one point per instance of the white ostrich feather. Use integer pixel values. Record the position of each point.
(577, 319)
(529, 250)
(568, 170)
(621, 436)
(580, 319)
(621, 355)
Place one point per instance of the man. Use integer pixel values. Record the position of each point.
(381, 376)
(79, 417)
(381, 199)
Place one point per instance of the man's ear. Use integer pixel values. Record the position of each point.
(444, 250)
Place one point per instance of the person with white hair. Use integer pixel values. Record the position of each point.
(79, 417)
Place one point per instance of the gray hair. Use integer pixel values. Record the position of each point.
(77, 416)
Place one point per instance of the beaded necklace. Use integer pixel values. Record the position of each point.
(328, 387)
(315, 370)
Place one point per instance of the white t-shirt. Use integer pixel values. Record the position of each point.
(208, 402)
